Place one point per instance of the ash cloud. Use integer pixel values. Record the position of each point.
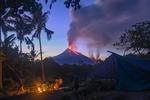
(100, 24)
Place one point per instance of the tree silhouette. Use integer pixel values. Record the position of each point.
(75, 4)
(12, 9)
(23, 26)
(40, 19)
(136, 39)
(5, 25)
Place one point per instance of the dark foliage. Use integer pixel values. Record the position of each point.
(75, 4)
(16, 68)
(23, 17)
(18, 7)
(136, 39)
(13, 16)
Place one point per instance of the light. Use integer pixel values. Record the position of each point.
(39, 90)
(72, 47)
(44, 89)
(58, 84)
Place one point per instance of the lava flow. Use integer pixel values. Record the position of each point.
(72, 48)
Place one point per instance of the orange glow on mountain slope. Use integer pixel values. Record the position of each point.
(72, 48)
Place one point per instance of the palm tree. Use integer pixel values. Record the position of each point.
(5, 25)
(8, 42)
(23, 27)
(40, 19)
(33, 53)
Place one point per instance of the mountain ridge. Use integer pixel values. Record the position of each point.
(72, 57)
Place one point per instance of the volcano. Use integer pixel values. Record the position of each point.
(72, 57)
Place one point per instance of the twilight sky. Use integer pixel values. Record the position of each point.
(96, 25)
(59, 21)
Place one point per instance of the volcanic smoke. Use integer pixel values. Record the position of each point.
(101, 24)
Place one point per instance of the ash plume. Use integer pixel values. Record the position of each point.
(100, 24)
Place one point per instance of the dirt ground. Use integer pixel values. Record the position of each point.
(115, 95)
(109, 95)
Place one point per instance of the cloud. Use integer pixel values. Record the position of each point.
(101, 24)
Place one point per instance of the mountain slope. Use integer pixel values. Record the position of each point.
(72, 57)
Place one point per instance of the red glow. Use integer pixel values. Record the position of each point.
(72, 47)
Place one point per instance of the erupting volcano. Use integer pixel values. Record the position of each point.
(71, 56)
(72, 47)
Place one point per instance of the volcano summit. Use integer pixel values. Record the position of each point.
(72, 57)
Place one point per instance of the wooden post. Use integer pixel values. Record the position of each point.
(1, 75)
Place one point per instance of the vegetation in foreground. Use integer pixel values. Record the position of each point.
(21, 69)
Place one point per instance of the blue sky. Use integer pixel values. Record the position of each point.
(98, 24)
(59, 21)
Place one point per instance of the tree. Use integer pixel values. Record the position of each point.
(12, 9)
(20, 66)
(2, 58)
(8, 42)
(7, 50)
(75, 4)
(23, 27)
(4, 25)
(40, 19)
(33, 53)
(11, 12)
(136, 39)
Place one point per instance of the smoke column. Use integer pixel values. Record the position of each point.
(101, 24)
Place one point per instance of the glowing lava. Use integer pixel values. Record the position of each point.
(72, 48)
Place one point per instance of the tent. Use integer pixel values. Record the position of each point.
(130, 73)
(106, 70)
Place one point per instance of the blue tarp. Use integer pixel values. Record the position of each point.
(132, 74)
(106, 70)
